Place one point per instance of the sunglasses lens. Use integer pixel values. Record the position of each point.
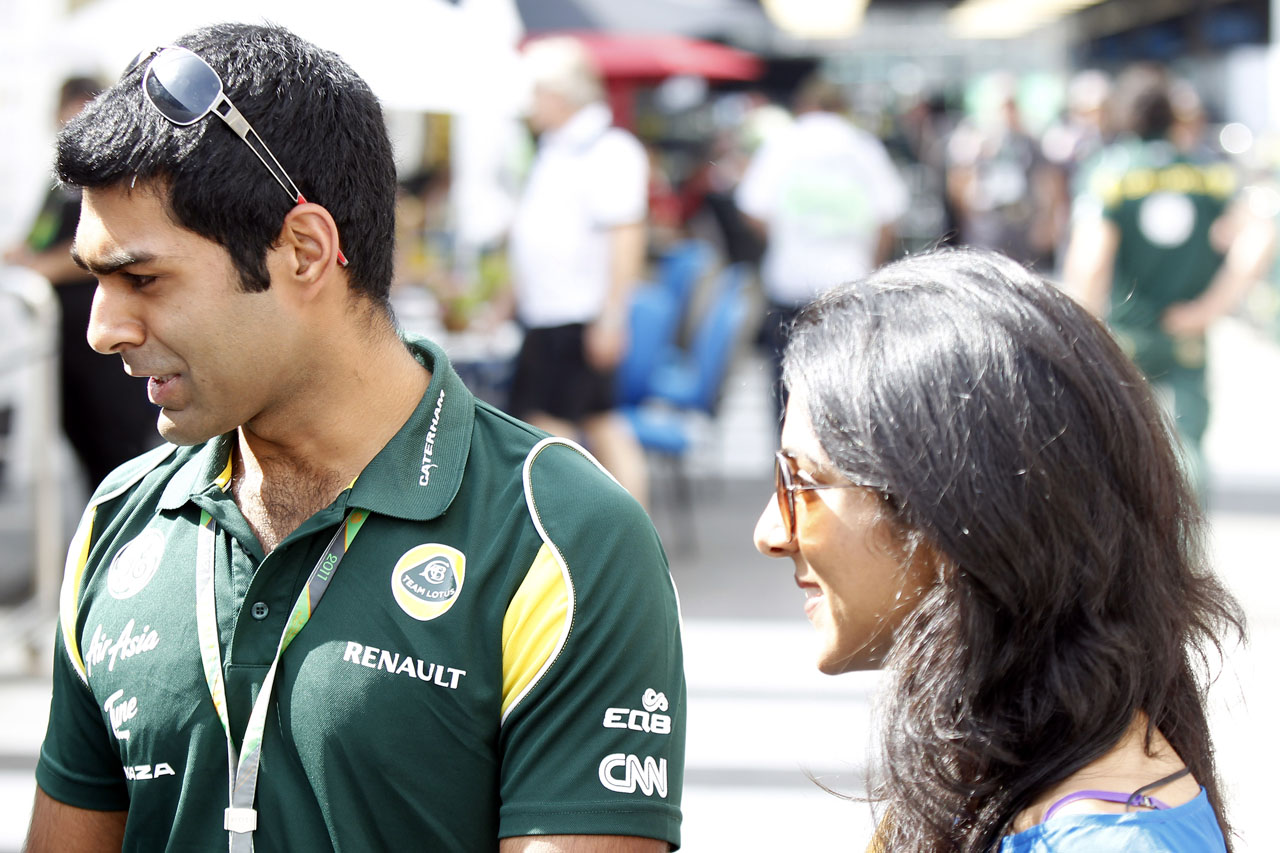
(182, 86)
(782, 484)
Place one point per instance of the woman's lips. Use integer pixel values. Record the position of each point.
(813, 597)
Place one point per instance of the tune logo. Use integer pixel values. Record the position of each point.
(120, 711)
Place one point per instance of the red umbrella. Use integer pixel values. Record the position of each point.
(636, 58)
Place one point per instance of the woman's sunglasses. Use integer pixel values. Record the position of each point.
(184, 89)
(786, 483)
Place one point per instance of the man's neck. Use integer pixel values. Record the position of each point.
(286, 470)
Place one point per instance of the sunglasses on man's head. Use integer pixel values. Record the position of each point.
(184, 89)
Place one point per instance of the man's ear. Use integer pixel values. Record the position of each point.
(310, 237)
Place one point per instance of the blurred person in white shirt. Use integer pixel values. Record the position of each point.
(826, 196)
(577, 250)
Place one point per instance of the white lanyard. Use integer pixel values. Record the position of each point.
(240, 818)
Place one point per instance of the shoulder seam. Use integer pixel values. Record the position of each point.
(78, 556)
(532, 505)
(136, 477)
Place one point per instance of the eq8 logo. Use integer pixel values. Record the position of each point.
(646, 719)
(624, 773)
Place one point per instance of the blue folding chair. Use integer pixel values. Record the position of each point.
(688, 384)
(693, 380)
(656, 313)
(654, 322)
(681, 267)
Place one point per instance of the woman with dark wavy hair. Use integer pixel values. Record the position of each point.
(980, 495)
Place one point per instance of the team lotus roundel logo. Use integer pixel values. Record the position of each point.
(427, 580)
(135, 564)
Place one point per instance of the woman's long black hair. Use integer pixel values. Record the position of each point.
(1011, 436)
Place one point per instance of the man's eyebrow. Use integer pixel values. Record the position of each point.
(111, 262)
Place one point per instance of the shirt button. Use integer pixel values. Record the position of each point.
(260, 610)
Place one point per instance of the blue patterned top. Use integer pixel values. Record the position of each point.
(1188, 828)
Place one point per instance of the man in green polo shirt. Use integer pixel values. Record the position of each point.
(1162, 247)
(347, 606)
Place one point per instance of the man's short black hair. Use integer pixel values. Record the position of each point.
(1142, 102)
(818, 92)
(319, 118)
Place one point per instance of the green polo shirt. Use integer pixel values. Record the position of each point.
(498, 654)
(1164, 204)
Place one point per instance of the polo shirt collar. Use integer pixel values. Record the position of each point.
(205, 472)
(583, 127)
(418, 473)
(819, 118)
(415, 476)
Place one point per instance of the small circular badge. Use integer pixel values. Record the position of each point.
(135, 564)
(1167, 219)
(427, 580)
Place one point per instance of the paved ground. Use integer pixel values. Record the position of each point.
(762, 720)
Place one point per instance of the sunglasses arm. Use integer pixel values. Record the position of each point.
(227, 111)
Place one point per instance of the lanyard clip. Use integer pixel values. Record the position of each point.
(240, 820)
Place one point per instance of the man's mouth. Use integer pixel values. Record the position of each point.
(159, 386)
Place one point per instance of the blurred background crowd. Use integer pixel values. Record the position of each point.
(915, 123)
(765, 149)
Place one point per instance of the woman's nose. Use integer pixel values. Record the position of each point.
(771, 535)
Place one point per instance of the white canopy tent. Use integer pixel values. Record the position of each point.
(423, 55)
(418, 56)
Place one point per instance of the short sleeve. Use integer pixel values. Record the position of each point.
(889, 193)
(618, 180)
(757, 192)
(1103, 198)
(1189, 828)
(78, 764)
(1102, 181)
(594, 744)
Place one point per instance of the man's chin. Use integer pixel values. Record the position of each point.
(183, 435)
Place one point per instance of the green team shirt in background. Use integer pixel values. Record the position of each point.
(1164, 204)
(498, 654)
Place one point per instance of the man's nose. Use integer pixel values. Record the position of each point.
(113, 325)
